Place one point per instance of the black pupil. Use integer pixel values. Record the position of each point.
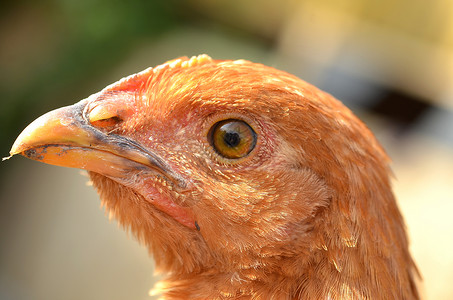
(231, 139)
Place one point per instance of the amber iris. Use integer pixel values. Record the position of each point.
(232, 138)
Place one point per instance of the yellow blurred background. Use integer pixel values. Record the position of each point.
(391, 62)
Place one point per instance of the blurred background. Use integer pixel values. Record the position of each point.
(390, 61)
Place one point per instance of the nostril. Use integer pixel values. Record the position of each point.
(104, 116)
(108, 122)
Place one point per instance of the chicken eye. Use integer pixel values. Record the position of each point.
(232, 138)
(103, 117)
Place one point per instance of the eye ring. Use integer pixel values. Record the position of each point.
(232, 138)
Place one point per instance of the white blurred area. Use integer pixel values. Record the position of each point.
(62, 246)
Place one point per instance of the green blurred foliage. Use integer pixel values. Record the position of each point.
(53, 49)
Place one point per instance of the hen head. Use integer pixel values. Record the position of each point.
(242, 180)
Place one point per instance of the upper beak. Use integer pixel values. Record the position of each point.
(64, 137)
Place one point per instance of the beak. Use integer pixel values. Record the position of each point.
(64, 137)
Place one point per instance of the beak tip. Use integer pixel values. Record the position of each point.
(53, 127)
(34, 134)
(18, 146)
(7, 157)
(25, 141)
(15, 149)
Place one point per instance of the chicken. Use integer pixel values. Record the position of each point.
(243, 181)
